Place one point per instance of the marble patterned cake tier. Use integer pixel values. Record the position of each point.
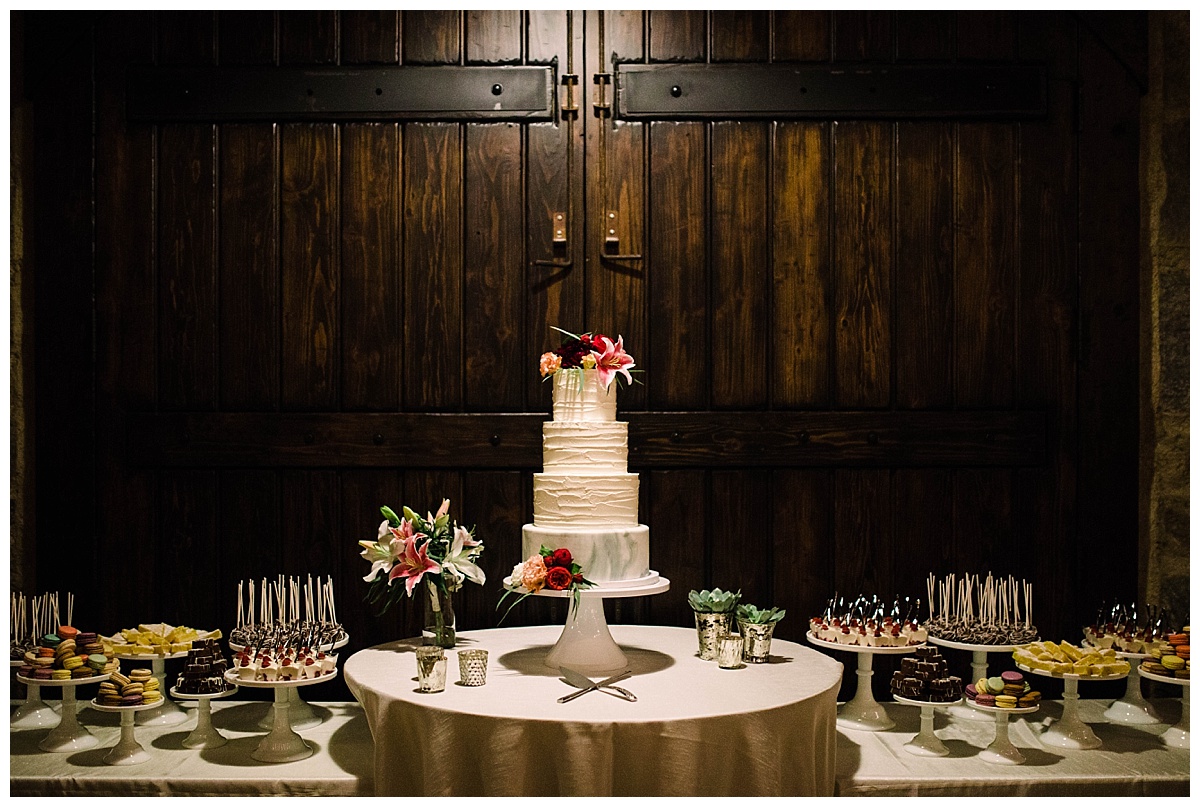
(581, 501)
(605, 555)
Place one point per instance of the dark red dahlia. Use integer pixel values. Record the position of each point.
(558, 578)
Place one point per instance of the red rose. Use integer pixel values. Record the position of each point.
(560, 557)
(558, 578)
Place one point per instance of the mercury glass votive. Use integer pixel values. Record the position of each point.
(729, 651)
(472, 667)
(431, 668)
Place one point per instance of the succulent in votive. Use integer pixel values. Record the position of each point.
(753, 616)
(713, 602)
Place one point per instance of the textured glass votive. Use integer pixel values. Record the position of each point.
(431, 668)
(472, 667)
(729, 651)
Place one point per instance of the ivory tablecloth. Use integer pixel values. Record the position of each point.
(696, 729)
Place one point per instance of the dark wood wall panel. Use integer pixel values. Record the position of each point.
(678, 36)
(246, 37)
(862, 534)
(370, 37)
(802, 560)
(922, 35)
(679, 539)
(494, 37)
(432, 37)
(188, 531)
(740, 36)
(802, 36)
(862, 36)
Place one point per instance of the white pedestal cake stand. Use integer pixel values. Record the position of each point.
(168, 712)
(979, 669)
(1179, 735)
(1132, 709)
(127, 751)
(205, 734)
(926, 743)
(68, 735)
(300, 714)
(863, 712)
(282, 744)
(1002, 751)
(34, 713)
(586, 645)
(1071, 732)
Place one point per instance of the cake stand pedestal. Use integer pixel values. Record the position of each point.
(1133, 709)
(586, 644)
(68, 735)
(205, 734)
(979, 669)
(282, 744)
(926, 743)
(127, 751)
(1071, 732)
(863, 712)
(300, 713)
(168, 712)
(1179, 735)
(34, 713)
(1002, 751)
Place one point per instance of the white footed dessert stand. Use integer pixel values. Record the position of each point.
(168, 712)
(127, 751)
(863, 712)
(1132, 709)
(282, 744)
(979, 669)
(1002, 751)
(300, 714)
(205, 734)
(1179, 735)
(68, 735)
(926, 743)
(33, 713)
(586, 644)
(1069, 731)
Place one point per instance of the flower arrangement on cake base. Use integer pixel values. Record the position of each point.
(433, 556)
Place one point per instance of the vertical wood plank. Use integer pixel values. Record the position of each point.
(370, 37)
(246, 37)
(314, 541)
(678, 36)
(924, 35)
(924, 313)
(986, 35)
(432, 377)
(985, 265)
(862, 213)
(308, 37)
(802, 554)
(624, 39)
(251, 520)
(546, 35)
(862, 533)
(310, 279)
(923, 529)
(677, 513)
(493, 341)
(494, 503)
(494, 37)
(741, 549)
(983, 535)
(740, 36)
(800, 273)
(739, 235)
(432, 37)
(802, 36)
(363, 492)
(678, 277)
(862, 36)
(189, 531)
(370, 252)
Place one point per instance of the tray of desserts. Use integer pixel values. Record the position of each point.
(1065, 660)
(857, 648)
(132, 707)
(232, 677)
(60, 682)
(156, 639)
(916, 702)
(1007, 710)
(287, 668)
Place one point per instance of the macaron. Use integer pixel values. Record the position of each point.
(51, 640)
(132, 689)
(995, 684)
(97, 661)
(60, 675)
(151, 696)
(985, 699)
(119, 679)
(140, 674)
(67, 632)
(971, 691)
(72, 662)
(83, 672)
(131, 700)
(43, 673)
(1011, 677)
(1173, 662)
(1006, 701)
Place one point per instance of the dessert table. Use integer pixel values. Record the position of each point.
(695, 729)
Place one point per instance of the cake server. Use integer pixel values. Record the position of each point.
(586, 684)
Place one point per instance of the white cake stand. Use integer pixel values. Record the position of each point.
(979, 667)
(926, 743)
(1002, 751)
(1179, 735)
(34, 713)
(1132, 709)
(68, 735)
(863, 712)
(205, 734)
(282, 744)
(1071, 732)
(127, 751)
(586, 644)
(301, 714)
(166, 713)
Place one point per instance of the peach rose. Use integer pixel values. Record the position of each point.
(550, 363)
(531, 574)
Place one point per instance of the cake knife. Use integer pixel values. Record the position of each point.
(587, 685)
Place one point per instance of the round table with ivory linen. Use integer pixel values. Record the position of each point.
(695, 729)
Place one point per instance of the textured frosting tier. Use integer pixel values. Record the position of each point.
(605, 555)
(579, 395)
(578, 500)
(585, 448)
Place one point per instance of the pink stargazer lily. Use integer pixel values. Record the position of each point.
(612, 360)
(413, 562)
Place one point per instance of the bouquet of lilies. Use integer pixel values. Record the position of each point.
(589, 351)
(412, 550)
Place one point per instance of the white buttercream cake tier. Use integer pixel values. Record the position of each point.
(609, 556)
(585, 502)
(579, 395)
(587, 447)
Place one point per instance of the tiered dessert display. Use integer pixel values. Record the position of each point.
(128, 695)
(203, 680)
(1173, 665)
(1072, 664)
(999, 697)
(30, 619)
(156, 642)
(1134, 639)
(864, 629)
(924, 681)
(981, 617)
(295, 622)
(586, 502)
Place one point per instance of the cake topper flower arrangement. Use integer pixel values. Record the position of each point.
(432, 553)
(589, 351)
(552, 569)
